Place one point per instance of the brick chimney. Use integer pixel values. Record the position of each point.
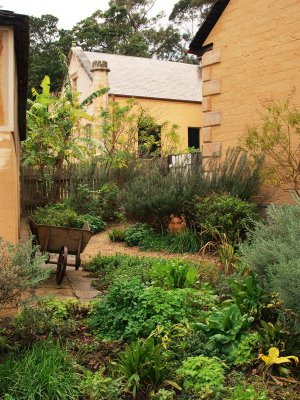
(100, 80)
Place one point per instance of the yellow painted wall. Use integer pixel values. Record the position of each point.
(9, 174)
(183, 114)
(259, 43)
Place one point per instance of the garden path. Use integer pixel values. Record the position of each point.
(101, 244)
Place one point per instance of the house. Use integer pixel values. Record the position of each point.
(14, 47)
(250, 53)
(169, 91)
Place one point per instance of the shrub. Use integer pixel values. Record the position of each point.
(19, 271)
(43, 372)
(96, 224)
(152, 196)
(215, 215)
(174, 274)
(104, 202)
(273, 252)
(202, 376)
(117, 235)
(135, 234)
(131, 310)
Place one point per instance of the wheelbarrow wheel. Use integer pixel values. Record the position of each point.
(61, 264)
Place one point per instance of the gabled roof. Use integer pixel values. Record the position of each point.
(147, 78)
(196, 46)
(20, 24)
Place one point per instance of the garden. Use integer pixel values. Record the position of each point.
(225, 325)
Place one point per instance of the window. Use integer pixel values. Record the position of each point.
(194, 138)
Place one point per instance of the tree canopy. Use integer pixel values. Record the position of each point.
(126, 27)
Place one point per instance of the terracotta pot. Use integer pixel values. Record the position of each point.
(176, 224)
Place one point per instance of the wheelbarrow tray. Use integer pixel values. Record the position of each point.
(61, 240)
(51, 238)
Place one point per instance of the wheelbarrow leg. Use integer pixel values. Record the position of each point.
(77, 262)
(61, 264)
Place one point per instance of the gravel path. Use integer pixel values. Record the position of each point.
(101, 244)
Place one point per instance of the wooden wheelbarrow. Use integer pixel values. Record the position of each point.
(62, 241)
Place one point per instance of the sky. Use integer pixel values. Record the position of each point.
(69, 12)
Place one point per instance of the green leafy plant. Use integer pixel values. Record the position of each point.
(132, 310)
(135, 234)
(246, 350)
(19, 271)
(248, 294)
(117, 235)
(202, 376)
(174, 274)
(162, 394)
(247, 392)
(224, 327)
(96, 224)
(44, 372)
(216, 215)
(143, 364)
(97, 385)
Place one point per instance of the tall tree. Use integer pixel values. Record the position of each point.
(189, 14)
(48, 46)
(127, 28)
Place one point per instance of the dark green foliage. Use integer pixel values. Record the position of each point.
(84, 200)
(246, 350)
(186, 241)
(248, 294)
(103, 202)
(152, 195)
(96, 224)
(217, 215)
(131, 310)
(136, 233)
(143, 364)
(117, 235)
(174, 274)
(223, 328)
(44, 372)
(273, 252)
(202, 376)
(142, 235)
